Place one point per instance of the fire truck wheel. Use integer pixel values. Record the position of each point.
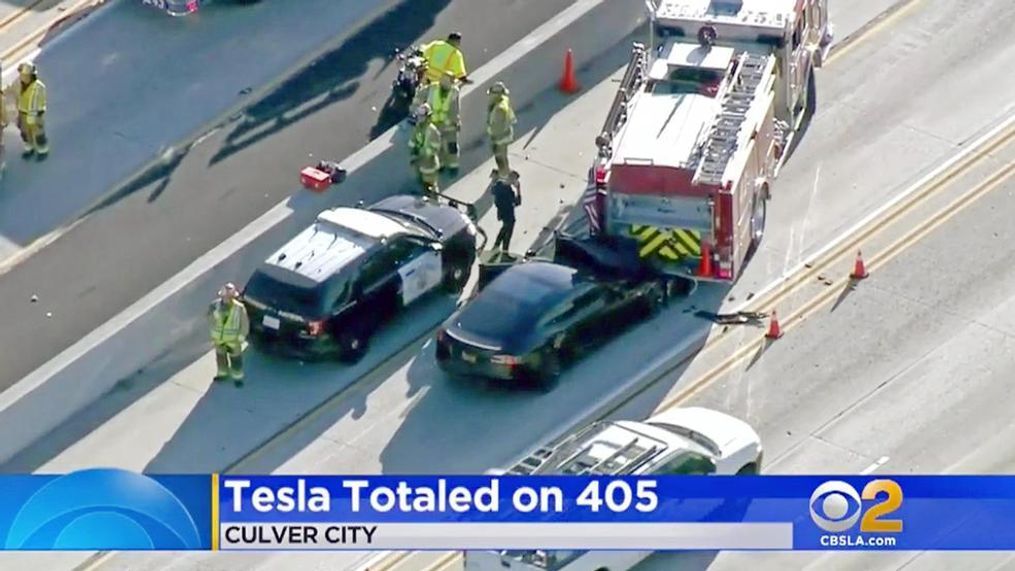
(759, 214)
(679, 287)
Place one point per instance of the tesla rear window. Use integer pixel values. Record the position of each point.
(509, 307)
(306, 302)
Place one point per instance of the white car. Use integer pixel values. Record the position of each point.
(679, 441)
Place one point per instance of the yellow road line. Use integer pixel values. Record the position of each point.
(931, 189)
(447, 561)
(25, 44)
(19, 15)
(880, 22)
(878, 260)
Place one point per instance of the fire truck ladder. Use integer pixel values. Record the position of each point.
(722, 141)
(634, 78)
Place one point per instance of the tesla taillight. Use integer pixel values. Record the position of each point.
(315, 328)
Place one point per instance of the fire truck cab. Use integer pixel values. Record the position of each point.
(698, 131)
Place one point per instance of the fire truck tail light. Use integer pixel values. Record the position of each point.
(601, 174)
(724, 270)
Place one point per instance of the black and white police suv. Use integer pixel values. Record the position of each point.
(332, 286)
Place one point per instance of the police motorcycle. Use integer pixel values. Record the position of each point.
(412, 66)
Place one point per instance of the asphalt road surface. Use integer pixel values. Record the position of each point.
(907, 373)
(136, 239)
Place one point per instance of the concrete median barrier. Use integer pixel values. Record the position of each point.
(174, 312)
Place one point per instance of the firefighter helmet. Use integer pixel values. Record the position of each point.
(28, 68)
(423, 111)
(498, 89)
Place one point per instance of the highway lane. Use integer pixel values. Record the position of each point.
(918, 381)
(107, 74)
(156, 226)
(399, 419)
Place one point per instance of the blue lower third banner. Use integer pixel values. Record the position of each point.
(106, 509)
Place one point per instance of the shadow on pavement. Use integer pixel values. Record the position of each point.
(458, 413)
(228, 422)
(126, 393)
(332, 77)
(64, 23)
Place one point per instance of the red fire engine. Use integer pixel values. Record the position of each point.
(699, 128)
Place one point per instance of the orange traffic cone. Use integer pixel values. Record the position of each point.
(705, 264)
(859, 269)
(569, 82)
(774, 331)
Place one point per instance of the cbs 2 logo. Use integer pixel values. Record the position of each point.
(831, 508)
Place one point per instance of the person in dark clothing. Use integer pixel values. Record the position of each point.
(507, 194)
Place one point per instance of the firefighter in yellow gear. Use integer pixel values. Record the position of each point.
(444, 57)
(500, 121)
(31, 98)
(424, 150)
(444, 100)
(229, 327)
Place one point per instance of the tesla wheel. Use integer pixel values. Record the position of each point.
(659, 297)
(352, 346)
(456, 278)
(549, 372)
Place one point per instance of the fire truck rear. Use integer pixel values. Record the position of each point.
(699, 130)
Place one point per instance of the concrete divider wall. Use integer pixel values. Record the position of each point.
(175, 311)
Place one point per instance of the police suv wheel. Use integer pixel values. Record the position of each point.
(456, 278)
(352, 346)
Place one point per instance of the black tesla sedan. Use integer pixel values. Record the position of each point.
(327, 290)
(537, 317)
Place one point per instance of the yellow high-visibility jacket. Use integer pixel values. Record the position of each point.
(444, 106)
(32, 99)
(443, 58)
(426, 139)
(228, 324)
(500, 122)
